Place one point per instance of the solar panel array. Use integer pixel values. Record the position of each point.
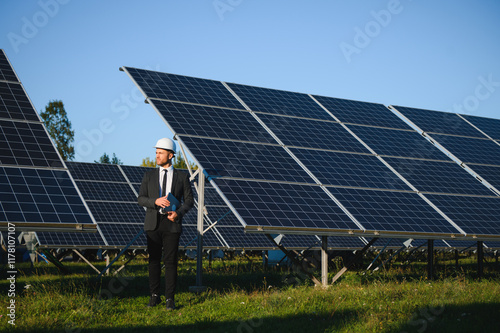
(111, 191)
(297, 163)
(36, 190)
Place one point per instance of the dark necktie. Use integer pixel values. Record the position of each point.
(164, 185)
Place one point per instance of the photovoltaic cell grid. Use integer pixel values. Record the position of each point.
(489, 126)
(183, 89)
(279, 102)
(212, 122)
(362, 113)
(14, 103)
(6, 71)
(471, 150)
(286, 114)
(439, 122)
(43, 195)
(438, 176)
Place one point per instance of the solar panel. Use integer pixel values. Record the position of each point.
(36, 190)
(135, 173)
(300, 132)
(475, 215)
(392, 142)
(95, 171)
(363, 113)
(183, 89)
(279, 102)
(296, 206)
(490, 173)
(69, 239)
(349, 170)
(36, 196)
(269, 191)
(212, 122)
(14, 103)
(438, 176)
(246, 160)
(439, 122)
(398, 212)
(471, 150)
(488, 125)
(26, 144)
(6, 71)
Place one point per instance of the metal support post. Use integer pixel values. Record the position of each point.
(324, 261)
(480, 257)
(199, 245)
(430, 259)
(456, 259)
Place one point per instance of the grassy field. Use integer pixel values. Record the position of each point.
(243, 297)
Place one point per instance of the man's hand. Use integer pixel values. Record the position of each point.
(172, 216)
(162, 202)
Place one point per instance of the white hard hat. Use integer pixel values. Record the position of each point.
(166, 143)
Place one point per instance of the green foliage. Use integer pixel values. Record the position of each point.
(59, 127)
(105, 159)
(243, 297)
(179, 163)
(147, 162)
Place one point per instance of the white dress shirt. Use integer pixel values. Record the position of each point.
(170, 175)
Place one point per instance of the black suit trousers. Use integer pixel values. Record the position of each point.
(163, 242)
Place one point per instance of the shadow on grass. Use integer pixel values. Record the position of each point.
(474, 317)
(295, 323)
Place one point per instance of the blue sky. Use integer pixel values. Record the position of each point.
(439, 55)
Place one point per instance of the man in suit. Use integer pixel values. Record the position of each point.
(163, 222)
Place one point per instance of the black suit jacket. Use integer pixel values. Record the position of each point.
(150, 190)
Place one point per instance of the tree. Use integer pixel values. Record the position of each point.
(178, 163)
(59, 127)
(104, 159)
(147, 162)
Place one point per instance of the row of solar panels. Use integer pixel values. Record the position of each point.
(258, 170)
(288, 162)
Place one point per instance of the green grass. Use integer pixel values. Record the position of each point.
(242, 297)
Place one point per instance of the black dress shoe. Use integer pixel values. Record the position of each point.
(154, 300)
(170, 304)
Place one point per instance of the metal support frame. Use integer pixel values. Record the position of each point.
(405, 246)
(324, 261)
(358, 255)
(199, 244)
(376, 257)
(108, 264)
(293, 257)
(430, 259)
(480, 258)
